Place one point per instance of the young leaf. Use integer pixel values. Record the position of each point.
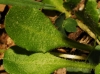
(32, 30)
(58, 4)
(59, 22)
(69, 25)
(24, 62)
(63, 24)
(55, 3)
(71, 3)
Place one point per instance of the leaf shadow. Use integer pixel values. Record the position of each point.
(22, 51)
(94, 57)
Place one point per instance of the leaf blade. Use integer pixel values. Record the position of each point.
(92, 16)
(32, 31)
(31, 3)
(16, 62)
(70, 25)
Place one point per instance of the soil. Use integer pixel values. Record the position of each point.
(6, 41)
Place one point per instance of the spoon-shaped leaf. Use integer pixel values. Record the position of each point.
(32, 30)
(24, 62)
(31, 3)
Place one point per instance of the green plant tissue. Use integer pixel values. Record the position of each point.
(32, 30)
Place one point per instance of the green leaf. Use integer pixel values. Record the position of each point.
(32, 30)
(59, 22)
(94, 57)
(31, 3)
(92, 16)
(91, 10)
(58, 4)
(19, 61)
(55, 3)
(63, 24)
(71, 3)
(97, 69)
(69, 25)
